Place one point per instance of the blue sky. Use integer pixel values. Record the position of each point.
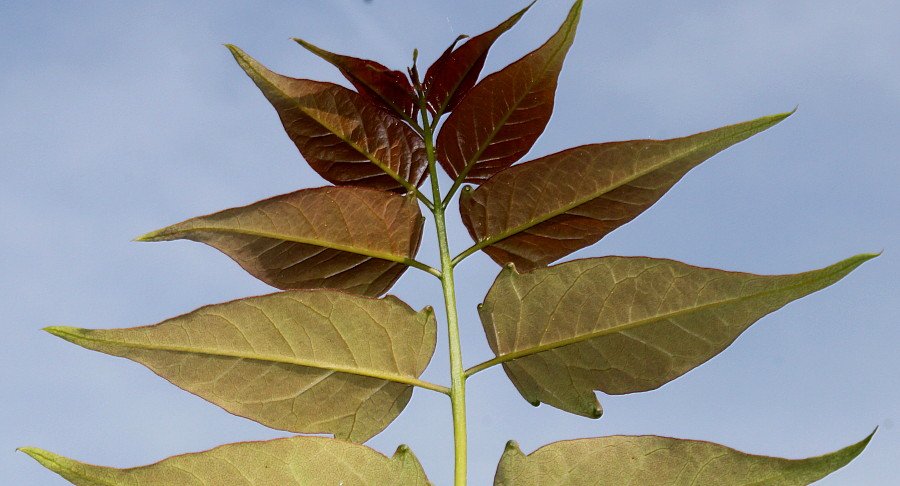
(118, 118)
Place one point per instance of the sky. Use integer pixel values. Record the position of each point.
(118, 118)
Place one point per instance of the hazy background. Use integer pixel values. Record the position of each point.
(118, 118)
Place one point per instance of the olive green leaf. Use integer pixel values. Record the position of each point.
(540, 211)
(625, 324)
(343, 238)
(300, 461)
(660, 461)
(501, 117)
(306, 361)
(346, 138)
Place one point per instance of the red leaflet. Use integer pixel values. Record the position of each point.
(347, 139)
(499, 120)
(344, 238)
(455, 72)
(373, 80)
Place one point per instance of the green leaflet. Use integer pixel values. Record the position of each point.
(660, 461)
(303, 361)
(301, 461)
(623, 325)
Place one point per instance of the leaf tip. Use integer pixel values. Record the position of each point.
(596, 412)
(147, 237)
(38, 455)
(309, 47)
(60, 331)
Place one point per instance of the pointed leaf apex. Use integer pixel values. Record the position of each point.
(151, 236)
(39, 455)
(402, 450)
(597, 412)
(63, 332)
(310, 47)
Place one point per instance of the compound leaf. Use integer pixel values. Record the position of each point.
(299, 461)
(454, 73)
(373, 80)
(501, 117)
(346, 138)
(537, 212)
(344, 238)
(660, 461)
(304, 361)
(625, 324)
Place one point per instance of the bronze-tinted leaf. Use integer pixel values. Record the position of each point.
(537, 212)
(306, 361)
(345, 238)
(501, 117)
(624, 325)
(373, 80)
(300, 461)
(454, 73)
(346, 138)
(660, 461)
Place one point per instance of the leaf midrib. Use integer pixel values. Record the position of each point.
(307, 241)
(65, 333)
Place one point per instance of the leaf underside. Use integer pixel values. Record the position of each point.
(537, 212)
(501, 117)
(302, 361)
(626, 324)
(453, 74)
(660, 461)
(346, 138)
(372, 80)
(297, 461)
(342, 238)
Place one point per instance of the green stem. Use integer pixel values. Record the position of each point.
(457, 372)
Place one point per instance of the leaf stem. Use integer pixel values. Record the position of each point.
(472, 249)
(421, 266)
(457, 372)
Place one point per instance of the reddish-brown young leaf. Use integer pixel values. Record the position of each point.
(499, 120)
(346, 138)
(534, 213)
(345, 238)
(454, 73)
(373, 80)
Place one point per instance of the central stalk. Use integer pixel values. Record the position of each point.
(457, 372)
